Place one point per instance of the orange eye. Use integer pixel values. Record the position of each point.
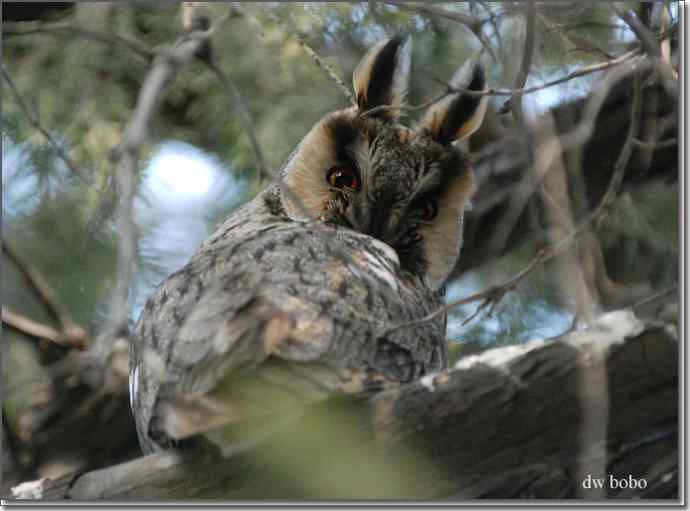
(342, 178)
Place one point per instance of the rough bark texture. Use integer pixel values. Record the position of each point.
(514, 422)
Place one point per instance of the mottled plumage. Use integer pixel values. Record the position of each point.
(292, 298)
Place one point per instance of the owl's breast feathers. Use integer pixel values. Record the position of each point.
(274, 307)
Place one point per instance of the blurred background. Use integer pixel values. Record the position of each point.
(72, 72)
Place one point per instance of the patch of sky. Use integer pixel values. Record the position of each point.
(182, 188)
(25, 177)
(19, 182)
(524, 314)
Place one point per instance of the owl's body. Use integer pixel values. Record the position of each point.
(292, 299)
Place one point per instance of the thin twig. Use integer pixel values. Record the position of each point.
(33, 119)
(661, 144)
(131, 44)
(655, 296)
(624, 156)
(320, 62)
(328, 68)
(237, 99)
(586, 70)
(473, 23)
(71, 331)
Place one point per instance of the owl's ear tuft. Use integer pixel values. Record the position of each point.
(458, 115)
(382, 76)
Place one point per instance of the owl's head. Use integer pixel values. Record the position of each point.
(408, 187)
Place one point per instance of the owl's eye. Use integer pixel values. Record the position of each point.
(342, 177)
(429, 210)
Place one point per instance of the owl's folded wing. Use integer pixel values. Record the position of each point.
(197, 345)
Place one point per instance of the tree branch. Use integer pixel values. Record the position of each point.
(129, 43)
(645, 36)
(525, 65)
(72, 334)
(240, 104)
(471, 22)
(126, 154)
(39, 330)
(465, 424)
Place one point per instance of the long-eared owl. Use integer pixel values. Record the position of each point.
(293, 296)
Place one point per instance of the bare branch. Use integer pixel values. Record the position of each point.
(38, 330)
(33, 119)
(165, 67)
(332, 74)
(72, 333)
(471, 22)
(523, 72)
(583, 71)
(661, 144)
(646, 37)
(233, 92)
(131, 44)
(329, 70)
(624, 156)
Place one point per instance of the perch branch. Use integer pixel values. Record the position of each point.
(473, 438)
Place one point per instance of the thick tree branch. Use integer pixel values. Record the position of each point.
(466, 426)
(646, 37)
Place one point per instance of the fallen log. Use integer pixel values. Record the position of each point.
(580, 416)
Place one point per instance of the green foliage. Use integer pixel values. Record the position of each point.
(83, 92)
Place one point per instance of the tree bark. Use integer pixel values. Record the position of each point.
(532, 420)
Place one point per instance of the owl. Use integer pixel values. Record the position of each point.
(292, 299)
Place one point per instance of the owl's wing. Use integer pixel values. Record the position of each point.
(196, 338)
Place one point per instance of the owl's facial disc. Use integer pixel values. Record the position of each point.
(357, 168)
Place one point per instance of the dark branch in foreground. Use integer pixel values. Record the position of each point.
(491, 427)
